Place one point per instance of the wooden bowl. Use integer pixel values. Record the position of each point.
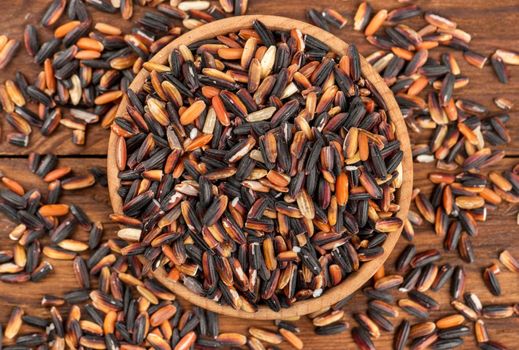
(355, 280)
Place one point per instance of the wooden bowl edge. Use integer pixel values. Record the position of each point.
(355, 280)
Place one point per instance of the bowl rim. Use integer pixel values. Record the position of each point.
(355, 280)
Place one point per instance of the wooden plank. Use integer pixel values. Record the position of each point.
(495, 234)
(491, 24)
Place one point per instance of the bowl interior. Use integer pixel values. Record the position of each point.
(403, 196)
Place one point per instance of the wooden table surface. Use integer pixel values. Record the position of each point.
(493, 24)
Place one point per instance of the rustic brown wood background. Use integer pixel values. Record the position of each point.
(493, 24)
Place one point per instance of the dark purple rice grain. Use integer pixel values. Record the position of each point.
(334, 328)
(102, 5)
(53, 12)
(444, 275)
(401, 335)
(458, 282)
(35, 321)
(32, 44)
(443, 344)
(362, 339)
(46, 50)
(424, 300)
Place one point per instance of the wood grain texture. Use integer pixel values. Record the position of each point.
(498, 232)
(492, 24)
